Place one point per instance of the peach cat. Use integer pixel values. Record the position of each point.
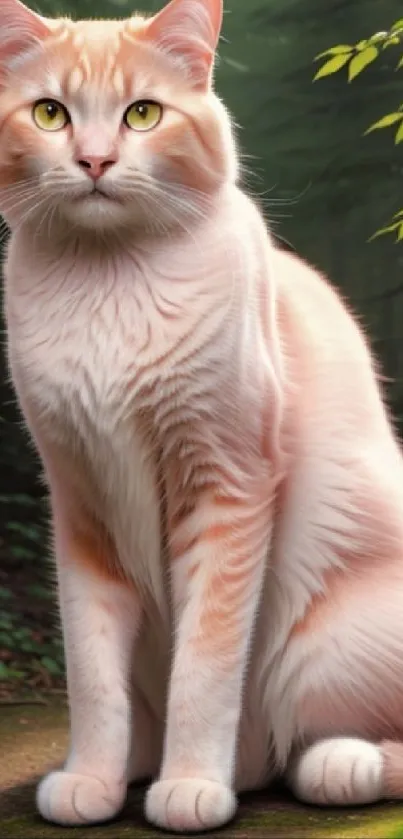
(226, 487)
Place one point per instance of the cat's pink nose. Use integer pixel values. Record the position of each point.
(95, 165)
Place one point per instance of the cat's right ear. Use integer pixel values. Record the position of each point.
(188, 30)
(20, 29)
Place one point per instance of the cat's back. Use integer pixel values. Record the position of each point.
(326, 349)
(318, 331)
(315, 309)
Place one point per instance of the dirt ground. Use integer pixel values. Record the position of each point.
(34, 738)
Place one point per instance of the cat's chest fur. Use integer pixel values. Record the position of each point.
(105, 356)
(97, 344)
(100, 359)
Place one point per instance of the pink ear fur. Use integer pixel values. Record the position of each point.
(20, 29)
(189, 30)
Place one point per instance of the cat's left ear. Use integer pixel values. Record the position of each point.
(20, 29)
(189, 31)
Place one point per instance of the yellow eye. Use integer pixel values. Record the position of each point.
(143, 115)
(50, 115)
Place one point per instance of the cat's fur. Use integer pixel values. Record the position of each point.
(226, 486)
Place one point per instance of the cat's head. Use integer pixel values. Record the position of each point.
(110, 124)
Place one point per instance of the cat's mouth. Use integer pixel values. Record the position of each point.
(97, 195)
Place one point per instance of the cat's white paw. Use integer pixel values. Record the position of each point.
(189, 804)
(340, 771)
(70, 799)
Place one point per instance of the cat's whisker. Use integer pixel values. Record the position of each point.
(16, 193)
(19, 201)
(31, 211)
(20, 183)
(154, 197)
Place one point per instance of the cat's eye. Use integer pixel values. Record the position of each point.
(50, 115)
(143, 115)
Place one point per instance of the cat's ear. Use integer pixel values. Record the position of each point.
(20, 29)
(189, 31)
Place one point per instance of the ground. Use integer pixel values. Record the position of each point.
(34, 738)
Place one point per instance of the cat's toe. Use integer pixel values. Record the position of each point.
(189, 804)
(70, 799)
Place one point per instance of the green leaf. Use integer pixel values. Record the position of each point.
(7, 640)
(384, 230)
(390, 42)
(399, 64)
(388, 119)
(332, 66)
(22, 633)
(360, 61)
(378, 37)
(399, 135)
(5, 623)
(397, 25)
(4, 671)
(399, 214)
(341, 49)
(400, 234)
(51, 665)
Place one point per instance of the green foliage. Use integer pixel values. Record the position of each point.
(31, 650)
(26, 652)
(361, 60)
(358, 57)
(384, 122)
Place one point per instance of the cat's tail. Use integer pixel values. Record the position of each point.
(392, 757)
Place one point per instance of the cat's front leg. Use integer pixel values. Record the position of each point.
(219, 557)
(101, 617)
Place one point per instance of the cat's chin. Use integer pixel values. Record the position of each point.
(99, 212)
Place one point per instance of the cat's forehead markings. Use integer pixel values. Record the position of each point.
(78, 40)
(74, 81)
(53, 85)
(109, 65)
(118, 82)
(60, 35)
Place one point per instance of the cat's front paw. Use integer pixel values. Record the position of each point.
(70, 799)
(189, 804)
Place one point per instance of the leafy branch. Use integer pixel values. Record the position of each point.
(355, 58)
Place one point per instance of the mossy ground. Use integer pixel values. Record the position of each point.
(33, 739)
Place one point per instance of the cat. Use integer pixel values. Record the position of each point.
(225, 482)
